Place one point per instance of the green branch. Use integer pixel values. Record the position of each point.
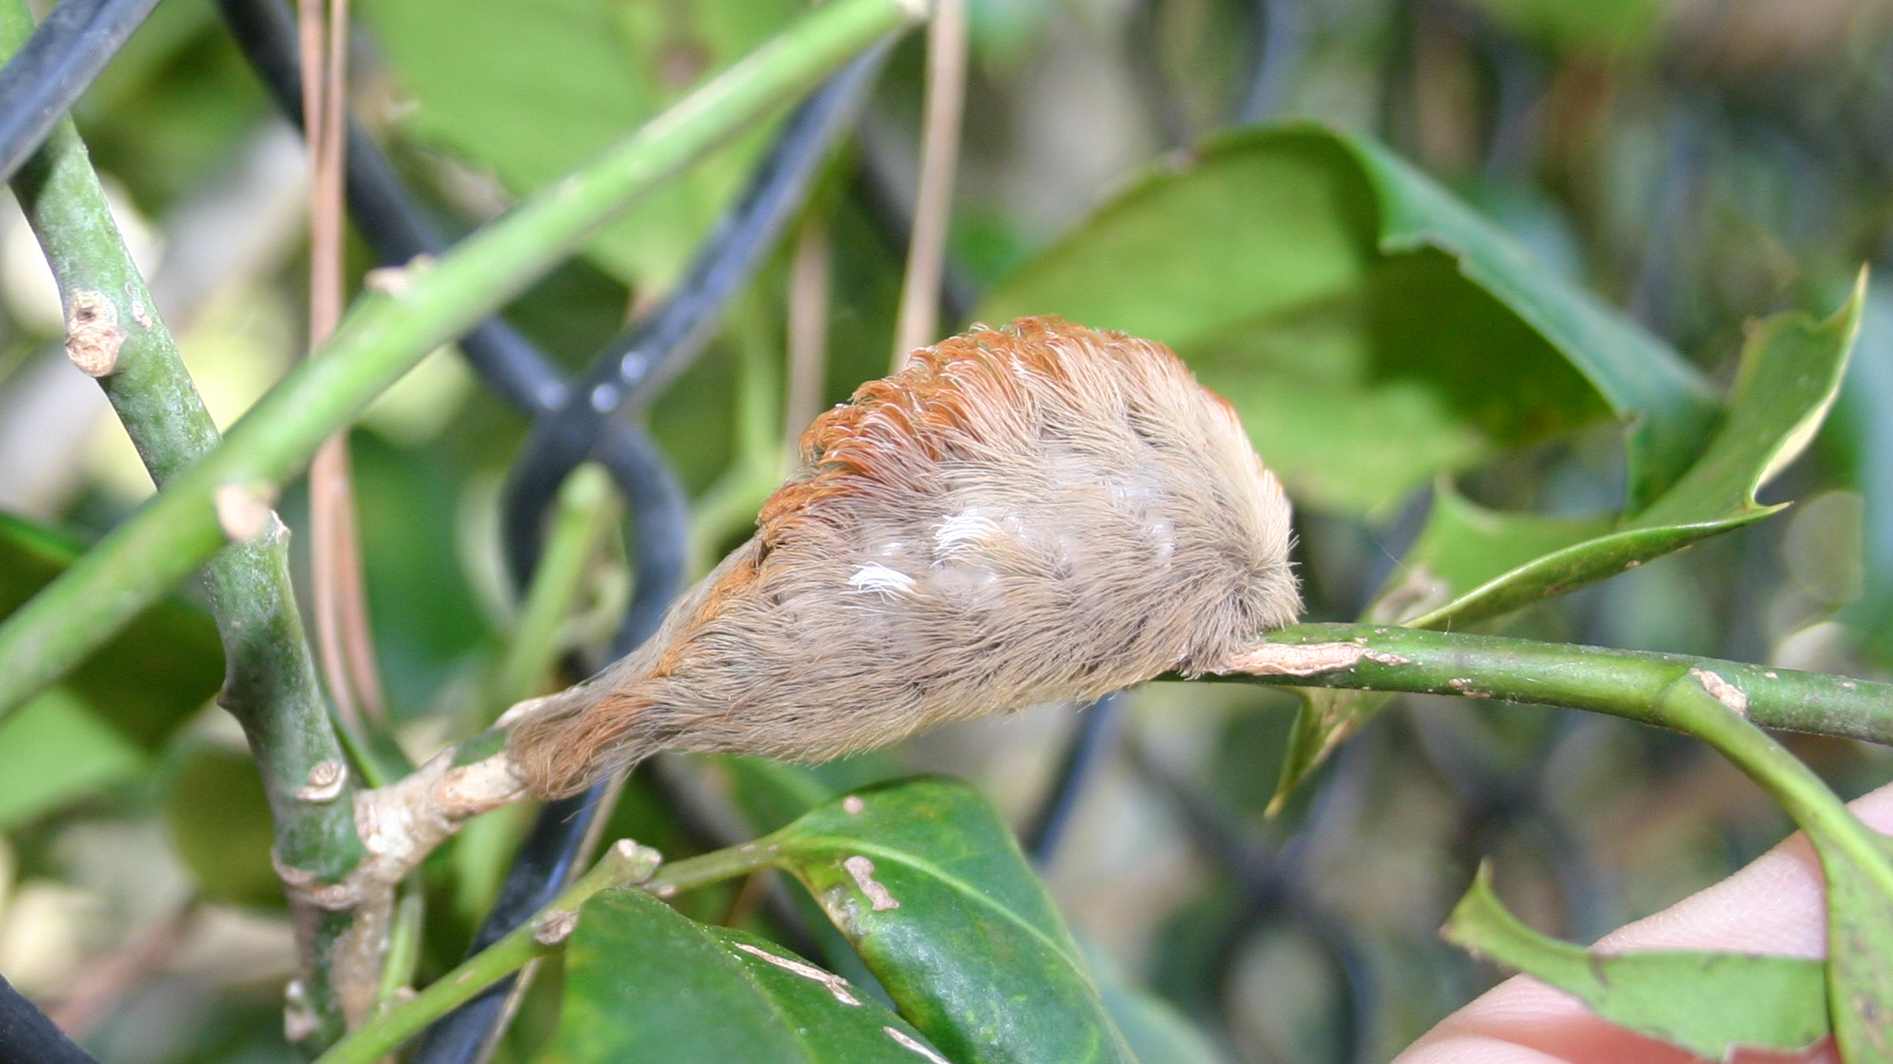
(1622, 683)
(115, 334)
(625, 864)
(578, 519)
(387, 334)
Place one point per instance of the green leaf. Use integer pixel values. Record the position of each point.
(1708, 1003)
(1466, 547)
(1357, 315)
(1600, 25)
(530, 91)
(55, 750)
(643, 982)
(144, 683)
(426, 621)
(931, 889)
(219, 821)
(773, 793)
(1471, 564)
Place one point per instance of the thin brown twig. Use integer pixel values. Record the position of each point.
(104, 982)
(808, 329)
(933, 199)
(340, 606)
(358, 640)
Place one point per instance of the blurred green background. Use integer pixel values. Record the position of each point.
(1694, 163)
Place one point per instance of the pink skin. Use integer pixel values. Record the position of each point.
(1772, 906)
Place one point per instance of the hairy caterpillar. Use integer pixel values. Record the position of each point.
(1021, 515)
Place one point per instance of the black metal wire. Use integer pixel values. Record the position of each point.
(1518, 83)
(1496, 802)
(398, 229)
(547, 857)
(1269, 879)
(29, 1036)
(1092, 739)
(55, 66)
(1167, 112)
(1278, 37)
(384, 214)
(641, 361)
(546, 861)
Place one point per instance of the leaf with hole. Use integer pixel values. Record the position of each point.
(1372, 331)
(931, 889)
(1471, 564)
(1708, 1003)
(643, 982)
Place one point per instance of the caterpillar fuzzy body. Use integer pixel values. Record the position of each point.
(1022, 515)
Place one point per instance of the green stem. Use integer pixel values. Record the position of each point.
(270, 679)
(387, 334)
(404, 943)
(713, 867)
(624, 865)
(1689, 706)
(1856, 863)
(1622, 683)
(578, 518)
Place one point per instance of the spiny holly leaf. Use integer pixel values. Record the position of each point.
(1708, 1003)
(1472, 564)
(934, 894)
(643, 982)
(1355, 313)
(531, 93)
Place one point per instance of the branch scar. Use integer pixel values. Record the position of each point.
(326, 779)
(555, 927)
(1309, 659)
(92, 333)
(243, 511)
(1722, 691)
